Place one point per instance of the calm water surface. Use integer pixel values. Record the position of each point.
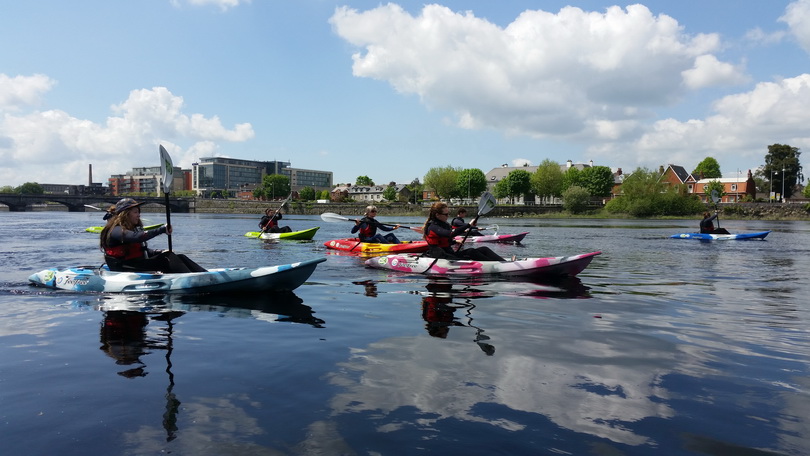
(661, 346)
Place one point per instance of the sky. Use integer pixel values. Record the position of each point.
(391, 90)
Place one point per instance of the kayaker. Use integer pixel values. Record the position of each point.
(367, 226)
(439, 236)
(123, 241)
(707, 227)
(459, 221)
(269, 223)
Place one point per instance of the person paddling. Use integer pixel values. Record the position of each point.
(439, 236)
(368, 225)
(123, 241)
(707, 227)
(269, 223)
(459, 221)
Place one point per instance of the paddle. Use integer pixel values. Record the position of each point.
(264, 228)
(332, 217)
(485, 204)
(716, 199)
(167, 173)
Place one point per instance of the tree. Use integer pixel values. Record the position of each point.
(7, 189)
(517, 182)
(364, 181)
(707, 169)
(571, 178)
(30, 188)
(547, 181)
(416, 190)
(274, 186)
(597, 180)
(713, 187)
(390, 193)
(307, 194)
(782, 168)
(470, 183)
(643, 195)
(576, 199)
(442, 181)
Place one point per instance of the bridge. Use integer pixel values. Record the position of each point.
(77, 203)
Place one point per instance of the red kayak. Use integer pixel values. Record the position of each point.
(355, 245)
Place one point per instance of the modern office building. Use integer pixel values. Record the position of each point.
(300, 178)
(231, 174)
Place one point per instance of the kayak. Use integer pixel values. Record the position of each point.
(292, 235)
(524, 268)
(503, 238)
(721, 237)
(97, 229)
(286, 277)
(354, 245)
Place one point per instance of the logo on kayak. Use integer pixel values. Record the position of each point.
(48, 276)
(383, 261)
(72, 281)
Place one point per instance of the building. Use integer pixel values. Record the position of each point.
(231, 175)
(300, 178)
(734, 188)
(368, 193)
(146, 180)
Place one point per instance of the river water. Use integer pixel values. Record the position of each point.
(661, 346)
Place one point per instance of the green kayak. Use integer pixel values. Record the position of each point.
(292, 235)
(97, 229)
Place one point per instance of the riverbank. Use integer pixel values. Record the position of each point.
(754, 211)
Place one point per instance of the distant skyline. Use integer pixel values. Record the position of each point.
(392, 90)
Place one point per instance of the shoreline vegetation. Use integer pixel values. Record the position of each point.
(728, 211)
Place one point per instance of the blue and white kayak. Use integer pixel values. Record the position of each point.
(286, 277)
(721, 237)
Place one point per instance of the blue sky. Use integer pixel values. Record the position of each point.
(392, 90)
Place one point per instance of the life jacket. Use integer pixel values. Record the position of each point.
(369, 230)
(433, 238)
(125, 251)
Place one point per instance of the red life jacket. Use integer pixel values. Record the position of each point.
(433, 238)
(369, 230)
(125, 251)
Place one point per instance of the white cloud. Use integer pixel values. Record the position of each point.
(797, 17)
(21, 91)
(224, 5)
(521, 162)
(54, 147)
(543, 75)
(708, 72)
(743, 125)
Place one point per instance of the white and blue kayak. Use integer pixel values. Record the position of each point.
(721, 237)
(286, 277)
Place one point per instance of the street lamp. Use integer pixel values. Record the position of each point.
(782, 196)
(770, 194)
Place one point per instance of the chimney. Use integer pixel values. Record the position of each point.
(619, 172)
(90, 176)
(569, 163)
(591, 163)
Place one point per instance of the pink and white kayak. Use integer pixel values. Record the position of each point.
(503, 238)
(524, 267)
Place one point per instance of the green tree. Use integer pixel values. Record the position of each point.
(712, 187)
(597, 180)
(470, 183)
(30, 188)
(576, 199)
(274, 186)
(416, 188)
(782, 168)
(307, 194)
(390, 193)
(643, 195)
(442, 180)
(547, 181)
(517, 182)
(707, 169)
(324, 195)
(363, 181)
(7, 189)
(571, 178)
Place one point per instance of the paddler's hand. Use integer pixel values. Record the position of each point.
(396, 227)
(168, 229)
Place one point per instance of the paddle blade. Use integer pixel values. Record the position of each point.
(715, 197)
(252, 234)
(332, 217)
(486, 204)
(166, 170)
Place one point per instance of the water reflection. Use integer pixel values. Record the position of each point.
(124, 338)
(438, 311)
(270, 307)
